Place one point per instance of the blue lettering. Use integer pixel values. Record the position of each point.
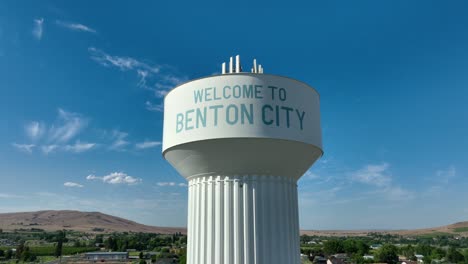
(248, 91)
(248, 113)
(201, 118)
(277, 115)
(282, 94)
(236, 114)
(198, 95)
(224, 92)
(179, 122)
(258, 91)
(264, 114)
(273, 88)
(301, 117)
(208, 94)
(288, 109)
(188, 119)
(215, 111)
(214, 94)
(236, 91)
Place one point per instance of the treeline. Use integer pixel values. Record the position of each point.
(354, 248)
(140, 241)
(387, 253)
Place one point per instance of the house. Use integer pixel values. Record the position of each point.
(101, 256)
(319, 260)
(368, 257)
(419, 257)
(333, 260)
(409, 262)
(337, 259)
(375, 246)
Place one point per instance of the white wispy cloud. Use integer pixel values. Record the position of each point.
(69, 125)
(75, 26)
(447, 174)
(162, 184)
(116, 178)
(47, 149)
(92, 177)
(118, 140)
(10, 196)
(154, 107)
(28, 148)
(310, 175)
(79, 147)
(73, 185)
(38, 28)
(373, 174)
(121, 62)
(396, 193)
(147, 144)
(154, 77)
(379, 176)
(34, 130)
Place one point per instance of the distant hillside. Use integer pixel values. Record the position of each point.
(457, 229)
(95, 222)
(92, 222)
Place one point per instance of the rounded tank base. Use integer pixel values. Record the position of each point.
(240, 156)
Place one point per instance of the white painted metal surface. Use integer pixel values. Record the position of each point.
(259, 225)
(242, 140)
(242, 105)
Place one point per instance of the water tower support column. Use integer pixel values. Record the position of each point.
(243, 219)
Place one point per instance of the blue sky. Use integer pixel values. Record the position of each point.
(81, 86)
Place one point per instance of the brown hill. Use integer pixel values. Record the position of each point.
(457, 229)
(92, 222)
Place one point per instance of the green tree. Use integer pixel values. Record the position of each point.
(465, 254)
(26, 254)
(2, 253)
(98, 239)
(350, 246)
(9, 254)
(388, 253)
(58, 249)
(438, 253)
(363, 248)
(454, 256)
(333, 246)
(141, 255)
(19, 250)
(142, 261)
(424, 249)
(183, 259)
(407, 251)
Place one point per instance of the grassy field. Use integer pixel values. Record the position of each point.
(460, 229)
(435, 234)
(50, 250)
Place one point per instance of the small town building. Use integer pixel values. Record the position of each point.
(419, 257)
(100, 256)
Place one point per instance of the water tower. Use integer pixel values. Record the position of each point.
(242, 140)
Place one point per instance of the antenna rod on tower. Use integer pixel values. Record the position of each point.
(230, 65)
(238, 63)
(223, 68)
(255, 66)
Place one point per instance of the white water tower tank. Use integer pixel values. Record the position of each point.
(242, 140)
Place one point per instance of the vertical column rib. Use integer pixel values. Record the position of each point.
(243, 219)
